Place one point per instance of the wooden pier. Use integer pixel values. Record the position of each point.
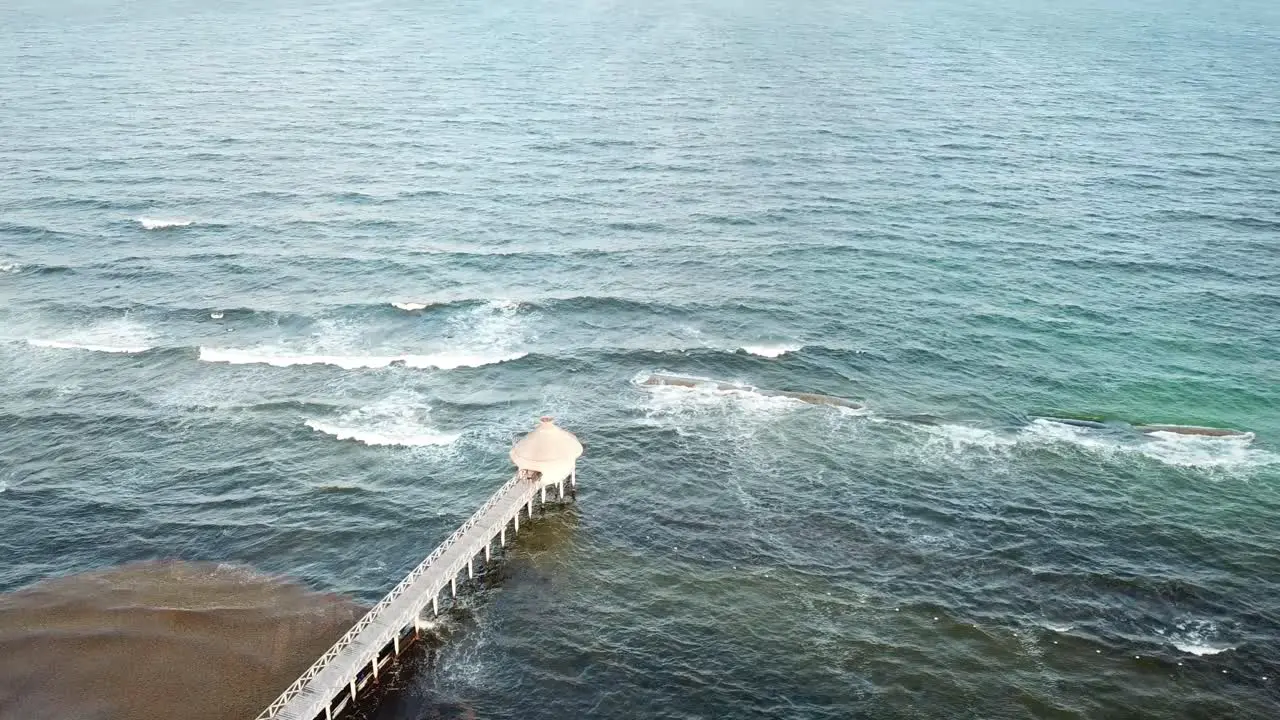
(546, 461)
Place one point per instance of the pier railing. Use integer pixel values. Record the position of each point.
(374, 614)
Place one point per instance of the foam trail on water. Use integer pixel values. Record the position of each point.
(1206, 452)
(10, 267)
(1170, 448)
(771, 351)
(148, 223)
(682, 400)
(963, 437)
(402, 419)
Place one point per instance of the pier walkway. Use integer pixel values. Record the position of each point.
(336, 678)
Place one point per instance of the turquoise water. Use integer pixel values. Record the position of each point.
(282, 281)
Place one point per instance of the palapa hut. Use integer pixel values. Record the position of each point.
(548, 455)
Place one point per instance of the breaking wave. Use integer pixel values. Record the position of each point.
(1196, 637)
(92, 347)
(163, 224)
(276, 358)
(403, 419)
(10, 267)
(119, 336)
(410, 306)
(1200, 649)
(770, 351)
(407, 438)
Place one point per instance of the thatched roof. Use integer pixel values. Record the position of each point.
(547, 448)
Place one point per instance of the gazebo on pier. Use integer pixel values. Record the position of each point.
(548, 456)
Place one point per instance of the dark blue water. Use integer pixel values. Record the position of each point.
(282, 281)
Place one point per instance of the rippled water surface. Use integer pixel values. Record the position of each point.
(281, 281)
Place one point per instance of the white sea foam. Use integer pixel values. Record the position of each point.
(92, 347)
(410, 306)
(402, 419)
(216, 315)
(280, 358)
(1206, 452)
(504, 305)
(148, 223)
(1175, 449)
(10, 267)
(122, 336)
(683, 400)
(960, 442)
(771, 351)
(964, 437)
(451, 360)
(482, 335)
(277, 358)
(1201, 649)
(1196, 637)
(372, 437)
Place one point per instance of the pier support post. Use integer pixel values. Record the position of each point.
(353, 691)
(471, 570)
(544, 494)
(328, 712)
(517, 521)
(573, 477)
(561, 486)
(396, 643)
(374, 665)
(530, 506)
(502, 537)
(487, 550)
(453, 586)
(435, 604)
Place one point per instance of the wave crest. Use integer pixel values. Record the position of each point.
(121, 335)
(92, 347)
(375, 438)
(1196, 637)
(771, 351)
(410, 306)
(438, 361)
(148, 223)
(403, 419)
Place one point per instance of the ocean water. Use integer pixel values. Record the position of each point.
(282, 281)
